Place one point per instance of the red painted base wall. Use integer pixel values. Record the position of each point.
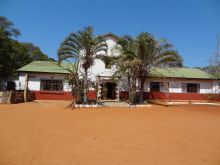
(124, 95)
(179, 96)
(171, 96)
(39, 95)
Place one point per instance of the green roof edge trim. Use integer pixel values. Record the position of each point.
(189, 73)
(53, 67)
(45, 67)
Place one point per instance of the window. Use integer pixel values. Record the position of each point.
(51, 85)
(155, 86)
(190, 87)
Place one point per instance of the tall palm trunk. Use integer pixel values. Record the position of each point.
(142, 89)
(85, 86)
(133, 88)
(129, 88)
(77, 89)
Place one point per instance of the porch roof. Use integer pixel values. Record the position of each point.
(190, 73)
(45, 67)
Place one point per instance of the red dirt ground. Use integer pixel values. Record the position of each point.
(45, 133)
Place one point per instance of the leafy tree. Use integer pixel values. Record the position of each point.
(19, 56)
(6, 47)
(215, 59)
(127, 63)
(146, 52)
(151, 53)
(74, 81)
(214, 66)
(213, 70)
(14, 54)
(35, 53)
(214, 62)
(7, 28)
(84, 47)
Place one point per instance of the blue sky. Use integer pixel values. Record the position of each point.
(191, 25)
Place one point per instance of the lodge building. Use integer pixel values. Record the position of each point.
(48, 81)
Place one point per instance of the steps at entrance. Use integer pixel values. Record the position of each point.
(114, 104)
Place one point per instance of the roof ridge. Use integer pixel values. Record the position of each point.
(110, 34)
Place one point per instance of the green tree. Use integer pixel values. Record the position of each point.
(7, 31)
(74, 81)
(127, 63)
(146, 53)
(7, 28)
(14, 54)
(214, 61)
(84, 47)
(35, 53)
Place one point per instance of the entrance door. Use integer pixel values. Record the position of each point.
(108, 91)
(111, 90)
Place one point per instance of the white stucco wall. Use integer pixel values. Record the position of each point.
(175, 85)
(216, 86)
(35, 79)
(99, 66)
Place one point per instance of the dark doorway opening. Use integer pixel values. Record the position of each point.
(10, 85)
(109, 91)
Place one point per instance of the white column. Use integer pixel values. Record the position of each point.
(99, 91)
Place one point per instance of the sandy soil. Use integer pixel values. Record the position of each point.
(48, 134)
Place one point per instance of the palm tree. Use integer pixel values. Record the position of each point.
(126, 63)
(153, 53)
(146, 52)
(84, 47)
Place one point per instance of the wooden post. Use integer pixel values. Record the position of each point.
(168, 89)
(26, 87)
(9, 97)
